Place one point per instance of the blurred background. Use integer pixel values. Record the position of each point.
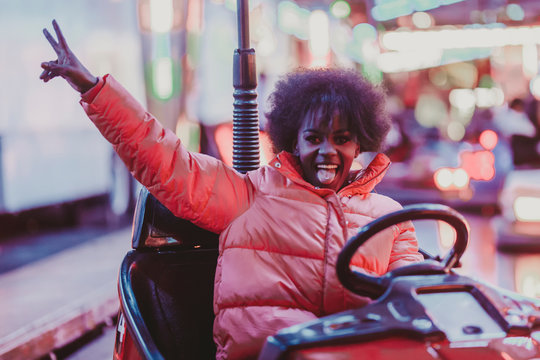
(463, 85)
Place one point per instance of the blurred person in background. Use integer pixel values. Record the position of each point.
(514, 124)
(513, 120)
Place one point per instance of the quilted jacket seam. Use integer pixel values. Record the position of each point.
(271, 251)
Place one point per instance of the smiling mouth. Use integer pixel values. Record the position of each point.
(326, 173)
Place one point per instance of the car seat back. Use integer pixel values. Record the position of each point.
(166, 284)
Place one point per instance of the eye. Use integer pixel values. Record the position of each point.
(340, 140)
(312, 139)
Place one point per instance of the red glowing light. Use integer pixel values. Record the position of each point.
(488, 139)
(480, 165)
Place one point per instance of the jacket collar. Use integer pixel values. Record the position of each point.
(362, 182)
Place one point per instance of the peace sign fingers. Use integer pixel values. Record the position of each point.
(60, 36)
(54, 44)
(60, 47)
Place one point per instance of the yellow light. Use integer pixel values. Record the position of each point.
(402, 61)
(430, 110)
(526, 208)
(461, 178)
(319, 38)
(161, 15)
(462, 98)
(455, 131)
(422, 20)
(451, 179)
(443, 178)
(534, 87)
(488, 97)
(530, 60)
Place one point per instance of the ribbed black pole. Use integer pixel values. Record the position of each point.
(245, 113)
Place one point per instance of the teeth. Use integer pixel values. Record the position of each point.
(324, 166)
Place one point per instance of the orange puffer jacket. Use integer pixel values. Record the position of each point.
(279, 235)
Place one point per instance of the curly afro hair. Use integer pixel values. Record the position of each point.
(329, 90)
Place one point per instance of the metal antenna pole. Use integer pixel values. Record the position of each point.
(245, 113)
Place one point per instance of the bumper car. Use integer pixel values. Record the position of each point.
(518, 225)
(421, 311)
(425, 310)
(465, 175)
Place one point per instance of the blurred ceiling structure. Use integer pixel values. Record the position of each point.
(444, 12)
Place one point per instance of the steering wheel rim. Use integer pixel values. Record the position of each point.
(374, 286)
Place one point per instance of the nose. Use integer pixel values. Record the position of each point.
(327, 148)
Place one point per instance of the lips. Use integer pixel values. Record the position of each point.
(326, 173)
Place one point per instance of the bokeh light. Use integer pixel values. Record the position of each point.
(430, 110)
(515, 12)
(422, 20)
(161, 15)
(443, 178)
(462, 98)
(340, 9)
(529, 55)
(486, 98)
(292, 19)
(534, 87)
(364, 32)
(455, 131)
(526, 208)
(488, 139)
(461, 178)
(319, 40)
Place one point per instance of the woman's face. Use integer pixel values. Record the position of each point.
(326, 150)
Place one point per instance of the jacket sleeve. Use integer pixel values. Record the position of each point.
(405, 248)
(193, 186)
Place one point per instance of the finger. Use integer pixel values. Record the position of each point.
(59, 35)
(53, 68)
(48, 65)
(51, 40)
(45, 76)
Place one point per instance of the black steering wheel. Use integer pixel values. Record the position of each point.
(374, 286)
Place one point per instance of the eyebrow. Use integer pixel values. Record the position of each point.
(341, 131)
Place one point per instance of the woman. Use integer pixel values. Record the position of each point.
(282, 226)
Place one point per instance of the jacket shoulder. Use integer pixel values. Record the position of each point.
(374, 204)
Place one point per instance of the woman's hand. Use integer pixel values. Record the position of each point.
(67, 65)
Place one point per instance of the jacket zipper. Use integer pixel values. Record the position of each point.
(325, 264)
(331, 201)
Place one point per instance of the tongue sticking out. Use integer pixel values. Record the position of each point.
(326, 176)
